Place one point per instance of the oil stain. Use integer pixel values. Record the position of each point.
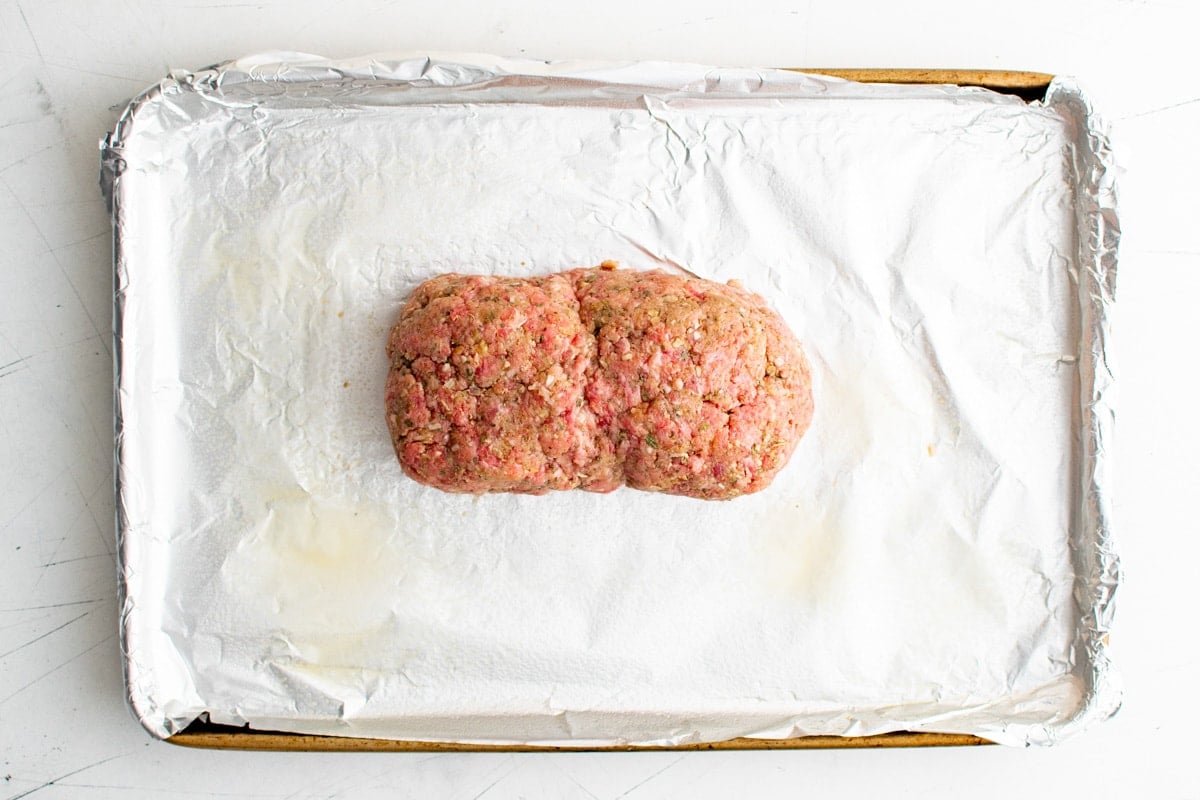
(319, 565)
(796, 554)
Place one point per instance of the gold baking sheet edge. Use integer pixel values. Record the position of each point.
(1028, 85)
(224, 737)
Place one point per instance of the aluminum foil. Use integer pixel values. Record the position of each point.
(936, 557)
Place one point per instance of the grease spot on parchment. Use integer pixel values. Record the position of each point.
(319, 566)
(796, 554)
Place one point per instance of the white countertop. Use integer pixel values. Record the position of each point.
(66, 70)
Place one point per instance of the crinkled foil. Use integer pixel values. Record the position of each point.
(936, 556)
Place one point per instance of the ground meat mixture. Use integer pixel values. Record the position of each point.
(487, 388)
(700, 388)
(594, 378)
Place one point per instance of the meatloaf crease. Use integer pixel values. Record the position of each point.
(591, 379)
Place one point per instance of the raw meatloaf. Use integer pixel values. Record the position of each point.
(593, 378)
(487, 387)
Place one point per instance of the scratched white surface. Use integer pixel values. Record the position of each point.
(66, 68)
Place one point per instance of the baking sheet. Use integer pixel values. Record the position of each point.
(936, 556)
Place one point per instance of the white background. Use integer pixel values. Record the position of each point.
(66, 69)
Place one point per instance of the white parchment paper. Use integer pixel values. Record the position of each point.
(929, 559)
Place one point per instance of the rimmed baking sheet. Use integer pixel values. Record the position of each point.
(935, 558)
